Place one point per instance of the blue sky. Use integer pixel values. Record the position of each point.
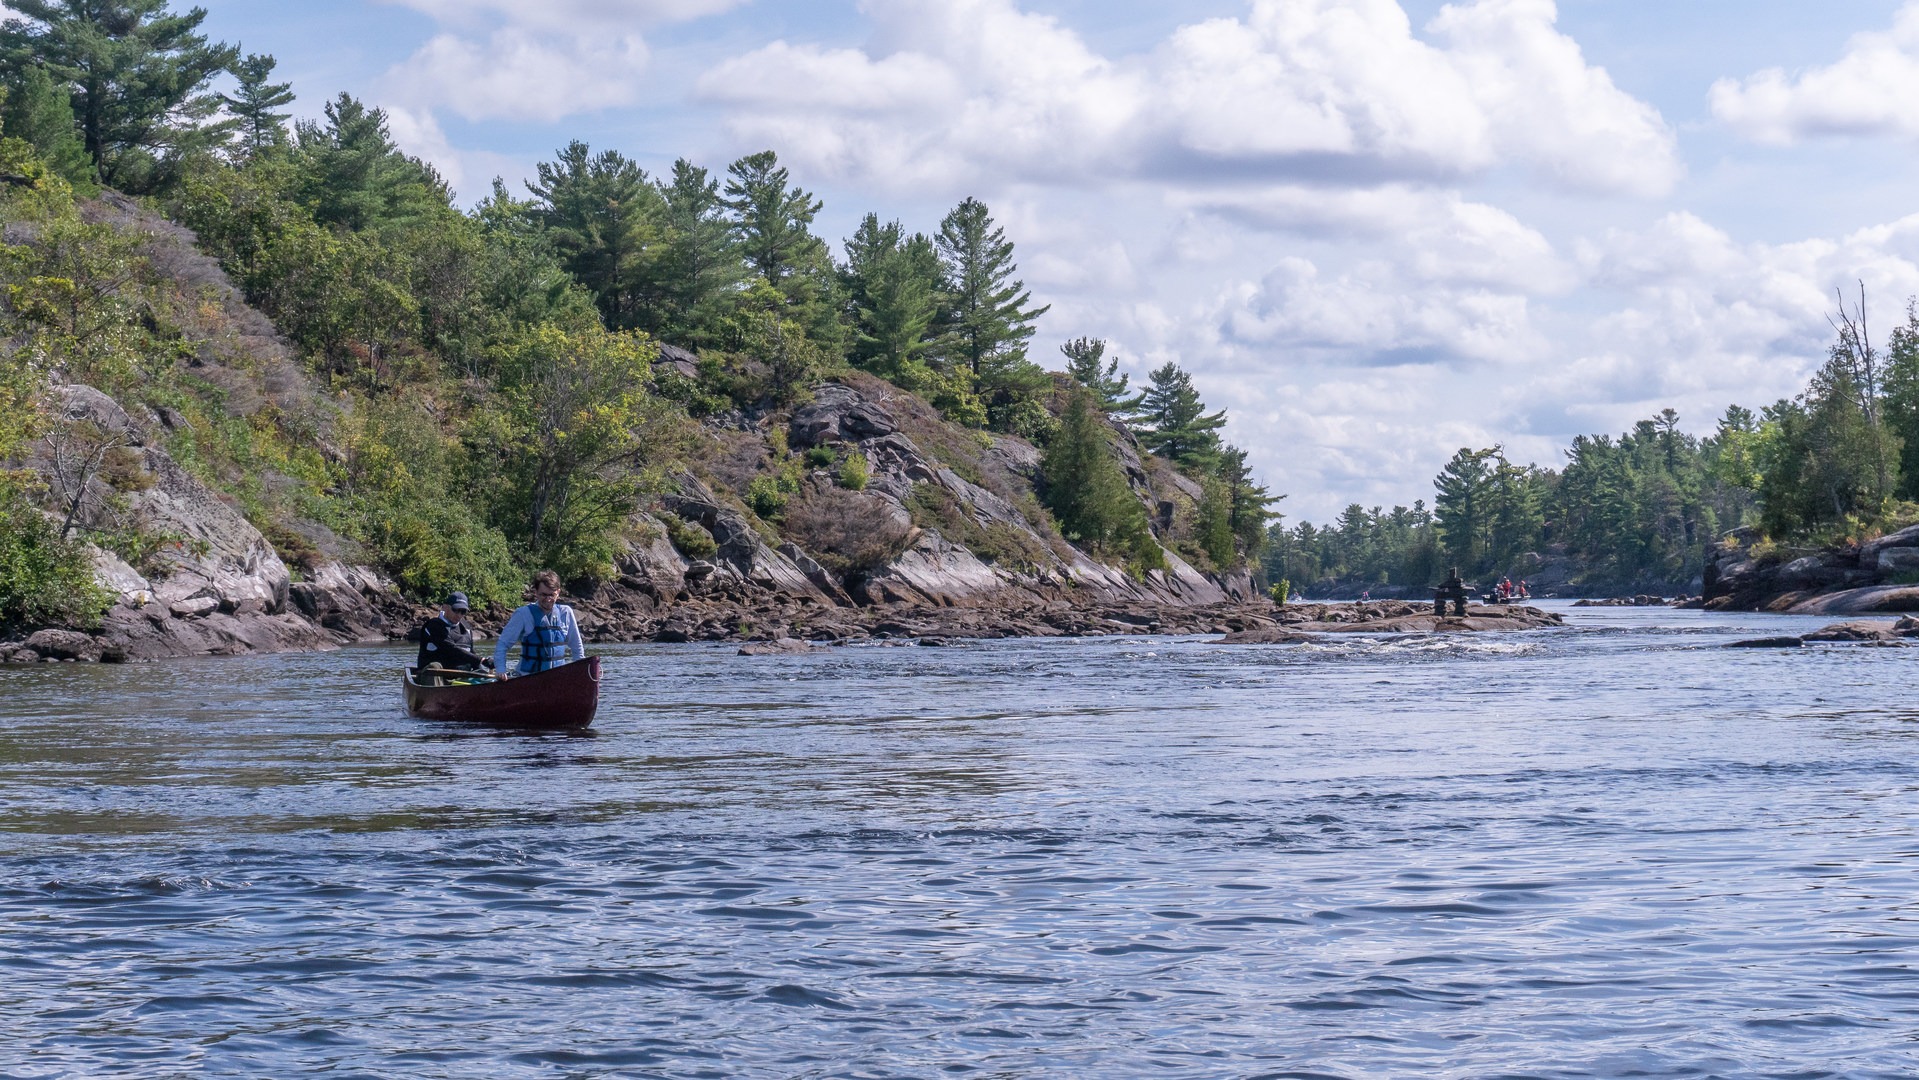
(1375, 232)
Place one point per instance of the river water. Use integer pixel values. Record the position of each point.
(1615, 849)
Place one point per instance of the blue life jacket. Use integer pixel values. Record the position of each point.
(543, 646)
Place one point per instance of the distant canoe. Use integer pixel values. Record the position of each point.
(557, 698)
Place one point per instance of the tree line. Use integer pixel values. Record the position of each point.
(1837, 463)
(491, 400)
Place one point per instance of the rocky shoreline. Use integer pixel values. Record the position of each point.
(618, 613)
(1878, 576)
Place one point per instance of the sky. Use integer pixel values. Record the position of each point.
(1374, 232)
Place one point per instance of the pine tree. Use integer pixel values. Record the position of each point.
(1087, 492)
(1460, 504)
(40, 112)
(1248, 505)
(1214, 525)
(137, 75)
(987, 322)
(891, 283)
(603, 216)
(254, 102)
(700, 262)
(1108, 385)
(1177, 426)
(772, 218)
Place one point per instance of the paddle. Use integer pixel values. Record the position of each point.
(457, 673)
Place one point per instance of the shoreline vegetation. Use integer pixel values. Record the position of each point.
(264, 386)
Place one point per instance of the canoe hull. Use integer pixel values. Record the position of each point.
(561, 698)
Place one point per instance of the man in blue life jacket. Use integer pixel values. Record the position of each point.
(546, 631)
(446, 640)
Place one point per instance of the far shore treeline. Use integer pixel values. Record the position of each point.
(471, 394)
(1839, 463)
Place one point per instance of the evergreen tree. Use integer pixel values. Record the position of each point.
(39, 111)
(602, 215)
(1901, 407)
(700, 264)
(1085, 489)
(254, 101)
(1460, 504)
(1248, 505)
(1083, 357)
(1214, 525)
(354, 177)
(891, 283)
(137, 75)
(773, 219)
(1178, 427)
(987, 322)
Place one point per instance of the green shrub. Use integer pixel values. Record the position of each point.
(765, 498)
(854, 472)
(43, 578)
(687, 538)
(433, 546)
(820, 457)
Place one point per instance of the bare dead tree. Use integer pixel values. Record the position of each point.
(78, 448)
(1854, 353)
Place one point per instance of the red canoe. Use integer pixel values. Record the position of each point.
(561, 697)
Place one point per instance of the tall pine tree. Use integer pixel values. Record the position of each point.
(1083, 356)
(39, 111)
(1177, 425)
(137, 73)
(253, 103)
(603, 216)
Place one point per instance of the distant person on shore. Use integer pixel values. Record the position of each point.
(446, 641)
(546, 631)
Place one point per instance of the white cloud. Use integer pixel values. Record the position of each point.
(518, 75)
(1872, 89)
(567, 15)
(951, 92)
(538, 60)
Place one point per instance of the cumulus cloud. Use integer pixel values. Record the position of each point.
(1872, 89)
(950, 91)
(516, 74)
(537, 60)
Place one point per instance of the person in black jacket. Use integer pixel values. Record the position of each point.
(446, 641)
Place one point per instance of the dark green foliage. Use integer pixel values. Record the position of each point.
(772, 219)
(892, 287)
(1214, 526)
(137, 74)
(1249, 506)
(353, 176)
(1901, 407)
(1176, 424)
(1108, 385)
(39, 111)
(699, 266)
(43, 578)
(254, 101)
(1085, 489)
(987, 321)
(602, 216)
